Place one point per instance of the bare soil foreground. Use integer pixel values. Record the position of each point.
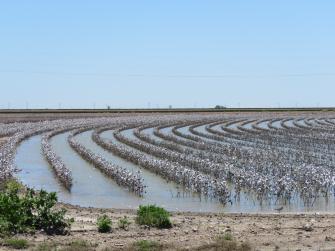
(2, 140)
(193, 230)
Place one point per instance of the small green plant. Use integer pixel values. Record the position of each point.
(46, 246)
(225, 243)
(104, 224)
(228, 237)
(77, 245)
(153, 216)
(124, 223)
(145, 245)
(24, 210)
(16, 243)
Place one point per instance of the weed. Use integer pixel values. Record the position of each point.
(124, 223)
(145, 245)
(104, 224)
(16, 243)
(153, 216)
(79, 245)
(225, 243)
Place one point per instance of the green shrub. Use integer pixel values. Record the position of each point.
(16, 243)
(104, 224)
(145, 245)
(153, 216)
(124, 223)
(24, 211)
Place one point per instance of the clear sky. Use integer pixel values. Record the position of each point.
(184, 53)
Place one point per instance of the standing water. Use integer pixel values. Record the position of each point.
(93, 188)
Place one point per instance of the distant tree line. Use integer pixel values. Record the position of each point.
(220, 107)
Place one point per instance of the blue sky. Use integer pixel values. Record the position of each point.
(158, 53)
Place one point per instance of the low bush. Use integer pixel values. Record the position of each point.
(153, 216)
(124, 223)
(145, 245)
(16, 243)
(24, 210)
(104, 224)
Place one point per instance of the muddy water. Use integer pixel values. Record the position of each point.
(92, 188)
(35, 171)
(160, 192)
(85, 191)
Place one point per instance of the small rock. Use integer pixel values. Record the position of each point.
(329, 238)
(186, 231)
(195, 230)
(308, 227)
(145, 227)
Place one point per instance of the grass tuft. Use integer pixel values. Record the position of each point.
(79, 245)
(16, 243)
(225, 243)
(145, 245)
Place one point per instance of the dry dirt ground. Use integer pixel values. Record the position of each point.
(262, 231)
(2, 140)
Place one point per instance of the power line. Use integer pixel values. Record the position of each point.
(96, 74)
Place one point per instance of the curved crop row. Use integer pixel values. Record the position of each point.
(122, 177)
(62, 172)
(190, 179)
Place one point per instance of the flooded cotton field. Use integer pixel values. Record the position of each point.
(212, 162)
